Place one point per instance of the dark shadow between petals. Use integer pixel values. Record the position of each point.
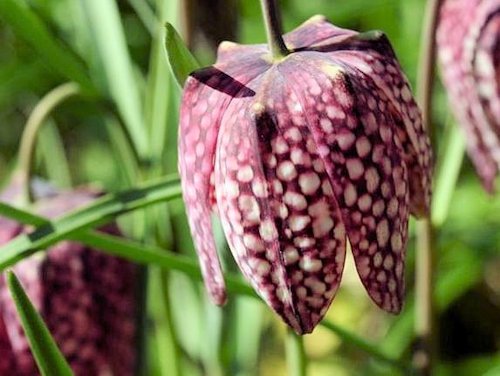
(220, 81)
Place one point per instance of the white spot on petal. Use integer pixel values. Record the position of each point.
(253, 242)
(295, 200)
(382, 232)
(245, 174)
(299, 222)
(309, 183)
(286, 171)
(291, 255)
(310, 265)
(350, 195)
(267, 230)
(354, 168)
(322, 227)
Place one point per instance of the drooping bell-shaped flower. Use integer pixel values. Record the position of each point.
(87, 299)
(468, 41)
(299, 156)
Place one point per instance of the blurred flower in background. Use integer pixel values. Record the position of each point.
(468, 41)
(88, 299)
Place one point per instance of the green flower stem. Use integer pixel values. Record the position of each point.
(274, 30)
(424, 275)
(447, 174)
(367, 347)
(28, 140)
(295, 354)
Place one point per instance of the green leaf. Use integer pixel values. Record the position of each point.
(103, 20)
(128, 249)
(100, 211)
(28, 26)
(47, 355)
(150, 255)
(181, 61)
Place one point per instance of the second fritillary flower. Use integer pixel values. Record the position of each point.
(468, 41)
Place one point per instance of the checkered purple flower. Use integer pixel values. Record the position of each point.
(300, 157)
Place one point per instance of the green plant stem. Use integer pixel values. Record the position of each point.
(367, 347)
(274, 30)
(447, 175)
(424, 309)
(28, 140)
(424, 276)
(295, 354)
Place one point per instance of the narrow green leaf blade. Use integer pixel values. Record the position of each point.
(129, 249)
(181, 61)
(98, 212)
(103, 20)
(47, 355)
(28, 26)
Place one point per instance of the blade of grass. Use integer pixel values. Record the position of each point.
(51, 148)
(145, 14)
(103, 20)
(47, 355)
(160, 89)
(128, 249)
(122, 150)
(181, 61)
(165, 333)
(60, 58)
(100, 211)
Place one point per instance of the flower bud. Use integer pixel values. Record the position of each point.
(87, 299)
(299, 156)
(468, 45)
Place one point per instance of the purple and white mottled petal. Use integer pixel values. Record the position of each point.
(315, 31)
(369, 178)
(322, 145)
(286, 235)
(79, 293)
(373, 59)
(206, 96)
(467, 40)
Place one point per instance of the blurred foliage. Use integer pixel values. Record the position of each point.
(119, 48)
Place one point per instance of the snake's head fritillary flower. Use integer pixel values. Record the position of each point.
(468, 40)
(87, 298)
(300, 156)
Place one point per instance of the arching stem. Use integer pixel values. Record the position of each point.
(295, 354)
(424, 276)
(274, 29)
(28, 140)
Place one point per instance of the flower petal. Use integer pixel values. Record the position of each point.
(316, 30)
(356, 139)
(373, 59)
(207, 94)
(7, 360)
(467, 39)
(276, 205)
